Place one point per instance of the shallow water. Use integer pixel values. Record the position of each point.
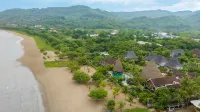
(19, 91)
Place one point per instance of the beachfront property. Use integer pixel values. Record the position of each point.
(129, 55)
(151, 71)
(108, 61)
(174, 63)
(169, 81)
(158, 59)
(177, 53)
(118, 69)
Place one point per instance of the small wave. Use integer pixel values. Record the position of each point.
(19, 41)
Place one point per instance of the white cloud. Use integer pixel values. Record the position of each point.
(192, 5)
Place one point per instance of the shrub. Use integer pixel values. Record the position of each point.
(98, 94)
(81, 77)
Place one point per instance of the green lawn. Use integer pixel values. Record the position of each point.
(137, 110)
(39, 41)
(52, 64)
(42, 45)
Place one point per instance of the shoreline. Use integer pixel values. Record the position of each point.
(60, 92)
(24, 60)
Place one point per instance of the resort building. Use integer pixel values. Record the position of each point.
(171, 81)
(197, 52)
(131, 55)
(177, 53)
(118, 68)
(108, 61)
(158, 59)
(174, 63)
(151, 71)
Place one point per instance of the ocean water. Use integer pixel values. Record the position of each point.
(19, 91)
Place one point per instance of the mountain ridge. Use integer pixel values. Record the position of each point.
(85, 17)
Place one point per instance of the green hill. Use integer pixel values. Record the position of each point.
(86, 17)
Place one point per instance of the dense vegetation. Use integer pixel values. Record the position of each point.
(81, 49)
(85, 17)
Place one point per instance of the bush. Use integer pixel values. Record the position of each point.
(111, 105)
(45, 53)
(57, 52)
(98, 76)
(81, 77)
(98, 94)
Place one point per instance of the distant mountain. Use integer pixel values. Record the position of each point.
(84, 17)
(152, 14)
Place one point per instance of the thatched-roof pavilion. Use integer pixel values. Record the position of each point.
(151, 71)
(118, 66)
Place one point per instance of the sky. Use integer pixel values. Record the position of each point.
(109, 5)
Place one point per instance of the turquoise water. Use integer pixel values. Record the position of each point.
(117, 75)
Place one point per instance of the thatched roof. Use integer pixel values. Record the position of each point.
(118, 66)
(151, 71)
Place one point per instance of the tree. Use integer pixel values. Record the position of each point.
(73, 66)
(102, 84)
(98, 94)
(111, 105)
(116, 91)
(98, 76)
(130, 99)
(81, 77)
(121, 105)
(125, 90)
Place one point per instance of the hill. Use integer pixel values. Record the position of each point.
(85, 17)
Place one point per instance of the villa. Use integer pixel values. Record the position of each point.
(151, 71)
(118, 68)
(197, 52)
(158, 59)
(170, 81)
(174, 63)
(108, 61)
(177, 53)
(131, 55)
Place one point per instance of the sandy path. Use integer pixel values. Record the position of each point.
(61, 94)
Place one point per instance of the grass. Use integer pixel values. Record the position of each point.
(137, 110)
(52, 64)
(41, 44)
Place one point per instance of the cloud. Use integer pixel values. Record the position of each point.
(192, 5)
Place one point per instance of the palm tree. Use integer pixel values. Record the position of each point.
(121, 105)
(116, 91)
(125, 90)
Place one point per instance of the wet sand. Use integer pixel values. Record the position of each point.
(60, 92)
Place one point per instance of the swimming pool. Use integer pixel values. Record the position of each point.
(117, 75)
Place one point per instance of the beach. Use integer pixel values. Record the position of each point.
(60, 92)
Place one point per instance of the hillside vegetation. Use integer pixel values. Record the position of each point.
(85, 17)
